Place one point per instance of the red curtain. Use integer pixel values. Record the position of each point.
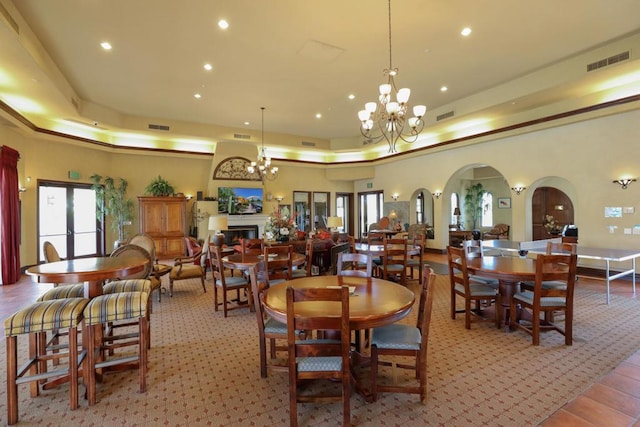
(10, 217)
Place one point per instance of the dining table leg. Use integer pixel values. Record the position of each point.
(507, 290)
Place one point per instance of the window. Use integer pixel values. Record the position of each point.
(344, 206)
(455, 200)
(487, 210)
(370, 206)
(420, 208)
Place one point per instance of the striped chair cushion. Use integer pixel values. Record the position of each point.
(477, 289)
(118, 306)
(45, 316)
(68, 291)
(316, 364)
(396, 336)
(527, 297)
(131, 285)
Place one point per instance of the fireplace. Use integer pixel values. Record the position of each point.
(234, 233)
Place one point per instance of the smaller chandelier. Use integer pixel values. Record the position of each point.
(262, 168)
(389, 119)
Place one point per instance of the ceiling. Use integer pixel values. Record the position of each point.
(297, 58)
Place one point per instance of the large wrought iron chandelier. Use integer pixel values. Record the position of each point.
(262, 168)
(388, 119)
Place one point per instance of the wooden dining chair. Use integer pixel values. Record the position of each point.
(470, 291)
(307, 268)
(269, 329)
(279, 270)
(474, 249)
(350, 264)
(417, 239)
(318, 359)
(187, 267)
(223, 284)
(406, 341)
(394, 260)
(558, 248)
(543, 299)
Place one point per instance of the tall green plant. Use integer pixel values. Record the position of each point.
(473, 203)
(111, 201)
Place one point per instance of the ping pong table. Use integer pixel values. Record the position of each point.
(601, 254)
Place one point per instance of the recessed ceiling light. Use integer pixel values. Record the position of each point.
(197, 96)
(106, 45)
(208, 67)
(465, 31)
(223, 24)
(351, 96)
(444, 89)
(247, 123)
(318, 116)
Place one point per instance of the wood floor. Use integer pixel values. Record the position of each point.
(612, 401)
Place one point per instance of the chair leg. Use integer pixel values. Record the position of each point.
(374, 372)
(170, 287)
(535, 327)
(568, 327)
(467, 313)
(204, 288)
(73, 368)
(12, 386)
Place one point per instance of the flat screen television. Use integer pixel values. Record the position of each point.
(239, 201)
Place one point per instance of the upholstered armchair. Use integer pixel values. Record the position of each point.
(499, 231)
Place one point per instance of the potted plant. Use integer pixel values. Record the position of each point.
(111, 201)
(473, 202)
(159, 187)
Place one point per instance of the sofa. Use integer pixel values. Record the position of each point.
(499, 231)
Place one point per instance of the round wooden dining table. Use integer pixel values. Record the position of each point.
(374, 302)
(509, 271)
(237, 261)
(378, 250)
(92, 271)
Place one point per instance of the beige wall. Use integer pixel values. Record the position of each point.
(581, 158)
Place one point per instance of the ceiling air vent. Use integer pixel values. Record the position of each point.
(445, 116)
(308, 144)
(158, 127)
(241, 136)
(624, 56)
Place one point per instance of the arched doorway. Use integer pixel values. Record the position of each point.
(549, 202)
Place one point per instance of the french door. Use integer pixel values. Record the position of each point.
(67, 219)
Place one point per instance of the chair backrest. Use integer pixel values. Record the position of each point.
(217, 267)
(458, 273)
(308, 256)
(384, 223)
(424, 311)
(128, 250)
(555, 268)
(335, 250)
(145, 241)
(395, 254)
(347, 264)
(259, 280)
(374, 238)
(279, 269)
(473, 248)
(334, 318)
(50, 252)
(251, 247)
(561, 248)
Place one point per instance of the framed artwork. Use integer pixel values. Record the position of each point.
(504, 203)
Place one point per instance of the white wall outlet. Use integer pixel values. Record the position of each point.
(627, 231)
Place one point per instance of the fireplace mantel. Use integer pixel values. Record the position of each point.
(244, 220)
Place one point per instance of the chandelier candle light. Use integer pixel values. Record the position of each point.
(263, 167)
(388, 119)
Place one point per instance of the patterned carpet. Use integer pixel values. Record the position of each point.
(204, 371)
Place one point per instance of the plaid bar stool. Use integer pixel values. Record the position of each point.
(116, 307)
(36, 320)
(130, 285)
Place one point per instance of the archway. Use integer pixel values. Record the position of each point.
(553, 196)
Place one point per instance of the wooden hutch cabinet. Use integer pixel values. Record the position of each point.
(165, 220)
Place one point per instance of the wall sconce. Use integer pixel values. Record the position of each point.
(395, 196)
(279, 198)
(437, 194)
(624, 183)
(189, 197)
(22, 190)
(518, 189)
